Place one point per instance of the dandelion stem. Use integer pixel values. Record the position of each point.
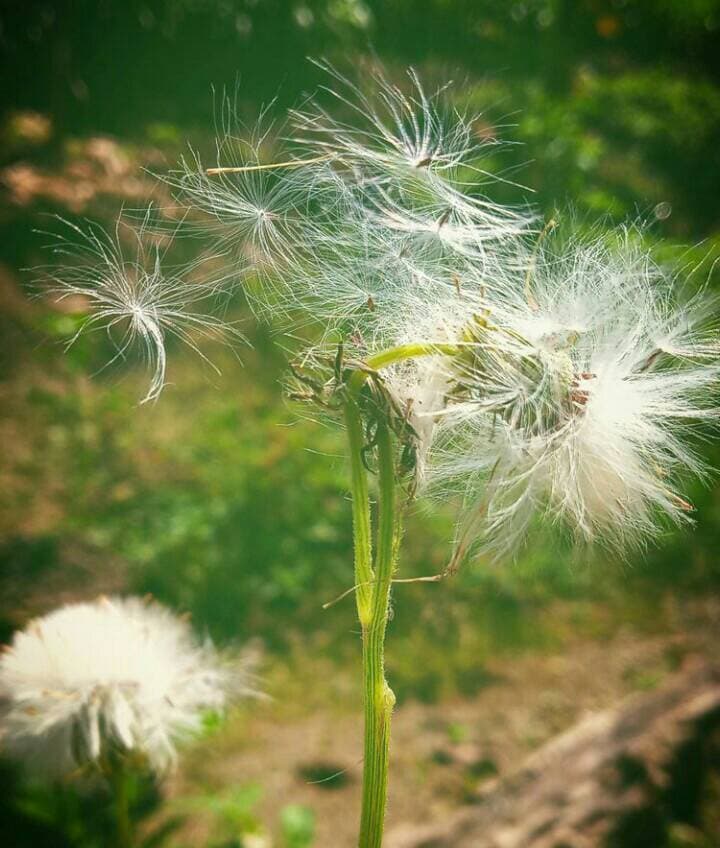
(372, 585)
(121, 805)
(372, 596)
(399, 354)
(364, 576)
(379, 697)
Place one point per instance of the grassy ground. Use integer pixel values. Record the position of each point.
(305, 746)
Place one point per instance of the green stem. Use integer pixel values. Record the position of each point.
(411, 351)
(373, 585)
(399, 354)
(361, 512)
(379, 697)
(121, 806)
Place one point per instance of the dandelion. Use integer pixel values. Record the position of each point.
(581, 401)
(127, 292)
(91, 681)
(565, 383)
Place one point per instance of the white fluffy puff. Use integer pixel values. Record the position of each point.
(580, 399)
(115, 674)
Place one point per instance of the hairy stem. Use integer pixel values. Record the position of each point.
(379, 698)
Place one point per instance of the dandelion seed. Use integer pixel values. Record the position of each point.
(394, 134)
(249, 208)
(131, 296)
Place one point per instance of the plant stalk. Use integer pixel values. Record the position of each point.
(379, 697)
(361, 512)
(121, 806)
(373, 584)
(400, 353)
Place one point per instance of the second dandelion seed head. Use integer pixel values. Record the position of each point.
(113, 677)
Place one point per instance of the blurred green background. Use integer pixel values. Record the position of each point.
(223, 500)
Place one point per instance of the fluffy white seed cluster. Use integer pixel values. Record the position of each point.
(580, 377)
(354, 221)
(113, 676)
(574, 376)
(579, 397)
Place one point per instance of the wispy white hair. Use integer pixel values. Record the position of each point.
(389, 132)
(347, 221)
(250, 211)
(581, 399)
(125, 290)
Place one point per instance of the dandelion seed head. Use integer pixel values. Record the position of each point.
(111, 675)
(580, 375)
(567, 406)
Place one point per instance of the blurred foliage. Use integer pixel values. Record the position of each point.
(231, 812)
(65, 814)
(298, 826)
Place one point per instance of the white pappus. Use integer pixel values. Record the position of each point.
(349, 217)
(122, 286)
(580, 398)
